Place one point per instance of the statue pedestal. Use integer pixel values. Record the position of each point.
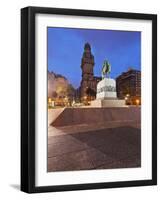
(106, 94)
(98, 103)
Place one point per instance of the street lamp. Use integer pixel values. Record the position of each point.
(85, 97)
(85, 100)
(137, 102)
(49, 102)
(127, 98)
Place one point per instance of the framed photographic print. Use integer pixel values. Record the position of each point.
(88, 99)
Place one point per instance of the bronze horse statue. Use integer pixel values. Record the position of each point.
(106, 69)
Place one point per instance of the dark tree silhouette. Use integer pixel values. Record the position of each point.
(54, 94)
(90, 92)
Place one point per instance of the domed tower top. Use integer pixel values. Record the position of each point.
(87, 51)
(87, 58)
(87, 62)
(87, 46)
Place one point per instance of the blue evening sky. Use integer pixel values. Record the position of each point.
(66, 45)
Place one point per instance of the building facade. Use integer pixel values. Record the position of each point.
(89, 81)
(128, 86)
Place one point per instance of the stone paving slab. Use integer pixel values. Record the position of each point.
(130, 162)
(115, 142)
(53, 131)
(65, 145)
(106, 148)
(71, 161)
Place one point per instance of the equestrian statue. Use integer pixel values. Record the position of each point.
(106, 69)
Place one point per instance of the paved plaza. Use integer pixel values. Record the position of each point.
(94, 146)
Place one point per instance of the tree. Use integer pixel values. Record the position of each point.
(54, 94)
(90, 93)
(70, 91)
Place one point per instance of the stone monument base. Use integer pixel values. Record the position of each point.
(107, 103)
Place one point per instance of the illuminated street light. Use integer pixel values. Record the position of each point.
(137, 101)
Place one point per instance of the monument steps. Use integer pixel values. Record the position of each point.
(53, 114)
(75, 116)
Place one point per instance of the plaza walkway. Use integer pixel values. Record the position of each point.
(94, 146)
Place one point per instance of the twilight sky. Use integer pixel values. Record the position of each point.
(66, 45)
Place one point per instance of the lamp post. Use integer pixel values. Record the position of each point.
(127, 99)
(137, 102)
(66, 101)
(85, 100)
(49, 102)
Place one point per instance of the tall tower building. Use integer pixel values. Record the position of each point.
(88, 85)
